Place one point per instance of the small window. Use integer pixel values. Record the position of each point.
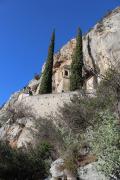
(66, 73)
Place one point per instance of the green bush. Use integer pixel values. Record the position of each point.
(16, 164)
(106, 143)
(100, 115)
(82, 111)
(48, 131)
(71, 156)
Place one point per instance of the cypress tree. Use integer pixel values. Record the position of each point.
(76, 79)
(46, 82)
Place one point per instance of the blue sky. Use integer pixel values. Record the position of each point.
(25, 30)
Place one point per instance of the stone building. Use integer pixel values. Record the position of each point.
(61, 69)
(61, 78)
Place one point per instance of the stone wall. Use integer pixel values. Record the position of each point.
(46, 105)
(30, 110)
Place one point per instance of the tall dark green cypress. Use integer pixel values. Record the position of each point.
(76, 79)
(46, 82)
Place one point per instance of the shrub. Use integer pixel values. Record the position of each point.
(18, 112)
(47, 131)
(74, 116)
(37, 76)
(100, 27)
(97, 114)
(82, 111)
(70, 163)
(70, 158)
(106, 143)
(21, 165)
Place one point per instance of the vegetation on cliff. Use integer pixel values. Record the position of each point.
(93, 123)
(16, 164)
(87, 124)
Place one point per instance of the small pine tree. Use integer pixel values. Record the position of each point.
(46, 82)
(76, 79)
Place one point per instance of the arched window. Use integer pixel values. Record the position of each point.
(66, 73)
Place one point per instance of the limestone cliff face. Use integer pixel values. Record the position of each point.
(23, 118)
(101, 48)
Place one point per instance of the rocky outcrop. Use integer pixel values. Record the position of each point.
(21, 114)
(87, 172)
(101, 49)
(90, 172)
(58, 171)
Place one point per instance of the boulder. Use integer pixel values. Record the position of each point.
(89, 172)
(58, 170)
